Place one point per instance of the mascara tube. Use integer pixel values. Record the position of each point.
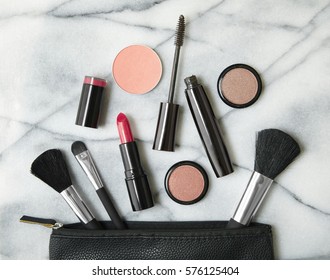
(208, 127)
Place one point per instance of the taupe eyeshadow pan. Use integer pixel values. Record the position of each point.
(239, 85)
(186, 182)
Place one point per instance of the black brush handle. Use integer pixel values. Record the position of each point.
(93, 224)
(232, 224)
(110, 208)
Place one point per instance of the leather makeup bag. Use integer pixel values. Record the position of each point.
(163, 240)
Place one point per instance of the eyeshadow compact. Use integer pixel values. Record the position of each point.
(186, 182)
(239, 85)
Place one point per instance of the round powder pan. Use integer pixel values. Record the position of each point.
(186, 182)
(239, 85)
(137, 69)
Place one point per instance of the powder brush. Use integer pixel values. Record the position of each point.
(275, 150)
(84, 158)
(50, 167)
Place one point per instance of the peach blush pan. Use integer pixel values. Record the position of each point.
(137, 69)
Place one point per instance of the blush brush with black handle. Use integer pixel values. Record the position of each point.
(50, 167)
(275, 150)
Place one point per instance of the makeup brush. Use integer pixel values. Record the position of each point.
(168, 112)
(275, 150)
(86, 162)
(51, 168)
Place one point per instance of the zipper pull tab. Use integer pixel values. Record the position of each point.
(49, 223)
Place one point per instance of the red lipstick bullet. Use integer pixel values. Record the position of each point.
(135, 177)
(124, 129)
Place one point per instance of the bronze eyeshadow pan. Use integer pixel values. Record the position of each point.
(186, 182)
(239, 85)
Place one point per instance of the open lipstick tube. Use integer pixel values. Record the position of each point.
(135, 177)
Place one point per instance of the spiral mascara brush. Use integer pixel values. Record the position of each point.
(168, 111)
(178, 44)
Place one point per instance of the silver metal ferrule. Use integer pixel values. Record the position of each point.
(77, 205)
(252, 198)
(86, 162)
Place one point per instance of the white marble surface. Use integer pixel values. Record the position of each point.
(48, 46)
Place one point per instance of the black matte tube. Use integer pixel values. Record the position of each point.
(93, 224)
(135, 177)
(232, 224)
(89, 106)
(110, 208)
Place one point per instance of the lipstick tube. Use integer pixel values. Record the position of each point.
(135, 177)
(208, 127)
(90, 102)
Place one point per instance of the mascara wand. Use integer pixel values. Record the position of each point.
(178, 44)
(168, 111)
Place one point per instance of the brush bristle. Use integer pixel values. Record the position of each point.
(51, 168)
(78, 147)
(275, 150)
(179, 35)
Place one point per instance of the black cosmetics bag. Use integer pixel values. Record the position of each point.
(163, 240)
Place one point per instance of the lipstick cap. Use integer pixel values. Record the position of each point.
(90, 102)
(166, 127)
(208, 127)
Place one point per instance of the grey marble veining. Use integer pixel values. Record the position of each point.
(47, 47)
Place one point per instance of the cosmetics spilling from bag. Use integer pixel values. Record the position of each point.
(137, 70)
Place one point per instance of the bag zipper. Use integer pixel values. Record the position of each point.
(48, 223)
